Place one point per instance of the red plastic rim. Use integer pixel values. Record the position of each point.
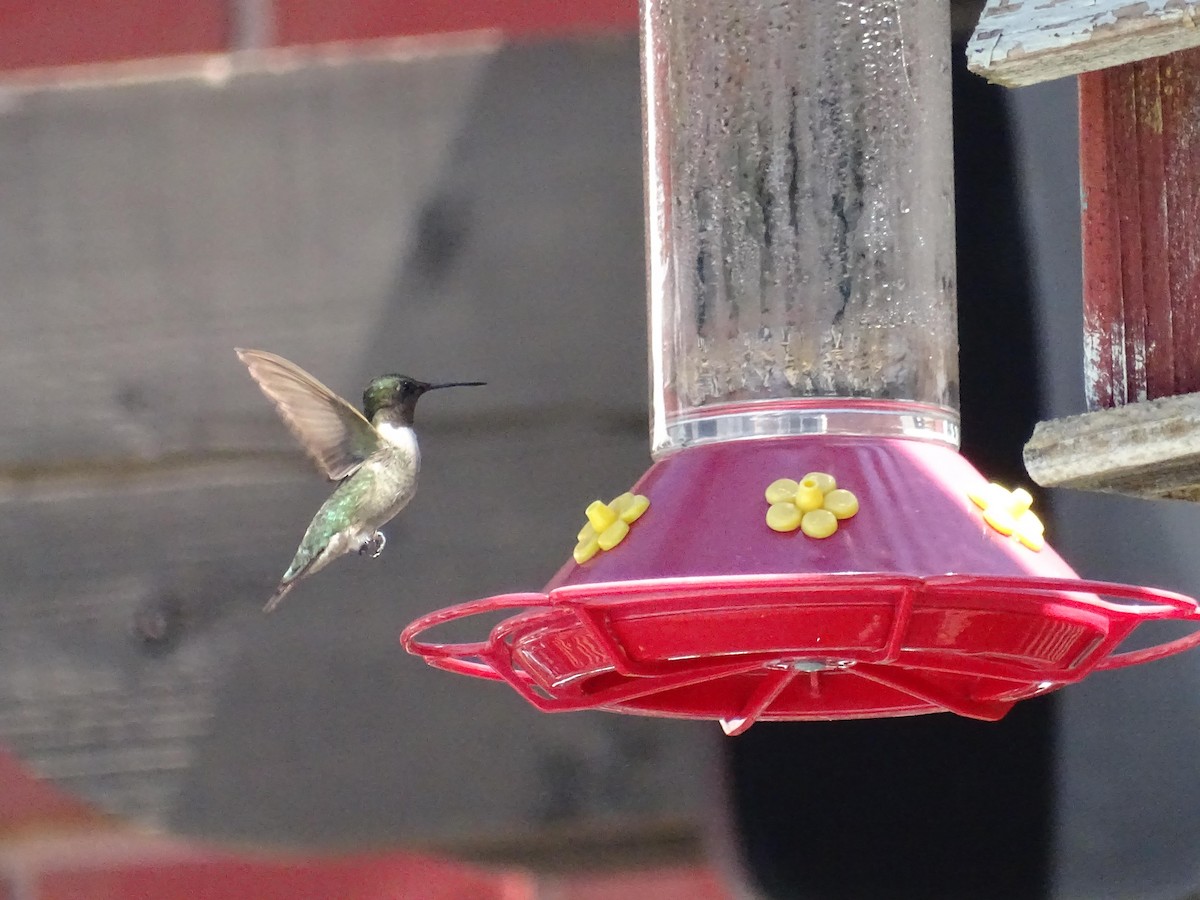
(741, 649)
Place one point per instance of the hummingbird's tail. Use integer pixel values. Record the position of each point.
(304, 564)
(280, 593)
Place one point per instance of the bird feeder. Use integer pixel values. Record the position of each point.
(808, 543)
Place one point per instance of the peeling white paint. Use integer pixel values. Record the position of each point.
(1140, 387)
(1031, 27)
(1093, 375)
(1116, 339)
(1019, 33)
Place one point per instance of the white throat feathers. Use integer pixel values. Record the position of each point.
(402, 437)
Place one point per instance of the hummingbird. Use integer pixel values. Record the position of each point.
(373, 455)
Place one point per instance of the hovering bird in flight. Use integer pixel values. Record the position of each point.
(375, 456)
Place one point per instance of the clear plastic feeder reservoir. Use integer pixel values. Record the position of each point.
(800, 219)
(808, 543)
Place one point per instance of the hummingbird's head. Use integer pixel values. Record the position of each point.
(401, 393)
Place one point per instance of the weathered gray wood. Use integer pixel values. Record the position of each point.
(1149, 449)
(453, 217)
(1022, 42)
(356, 217)
(312, 725)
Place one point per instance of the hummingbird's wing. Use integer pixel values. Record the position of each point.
(336, 435)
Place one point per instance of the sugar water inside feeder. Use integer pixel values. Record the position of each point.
(801, 227)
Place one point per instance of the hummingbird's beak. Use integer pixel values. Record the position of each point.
(434, 387)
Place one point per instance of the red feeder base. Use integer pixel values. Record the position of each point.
(913, 606)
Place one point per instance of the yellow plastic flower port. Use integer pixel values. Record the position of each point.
(607, 524)
(1009, 513)
(814, 504)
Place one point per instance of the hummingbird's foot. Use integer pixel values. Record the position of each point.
(373, 545)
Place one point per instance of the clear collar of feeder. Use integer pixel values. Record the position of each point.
(808, 543)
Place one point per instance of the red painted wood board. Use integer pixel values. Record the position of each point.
(27, 803)
(661, 884)
(1140, 175)
(1180, 93)
(89, 857)
(385, 878)
(315, 21)
(36, 34)
(230, 878)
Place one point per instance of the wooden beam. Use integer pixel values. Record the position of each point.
(1022, 42)
(1140, 178)
(1149, 449)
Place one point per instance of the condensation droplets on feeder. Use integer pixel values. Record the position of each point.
(808, 543)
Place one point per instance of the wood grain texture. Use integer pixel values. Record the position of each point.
(455, 217)
(78, 32)
(1149, 449)
(30, 805)
(1139, 159)
(312, 21)
(1104, 365)
(37, 35)
(1022, 42)
(1140, 195)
